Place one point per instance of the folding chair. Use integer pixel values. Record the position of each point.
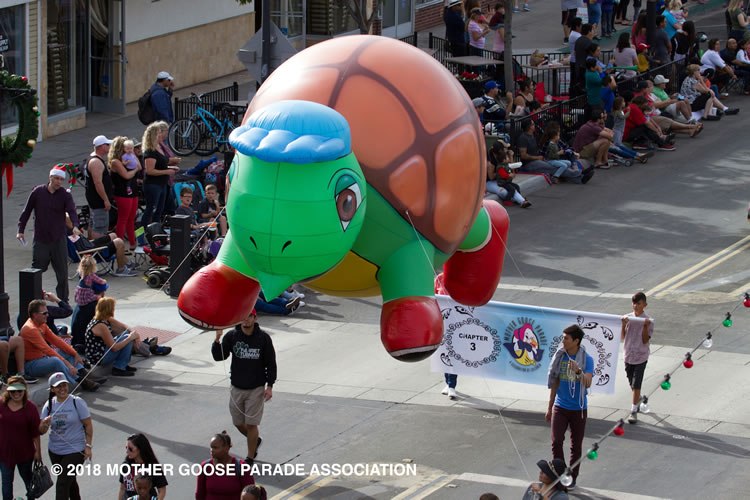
(105, 263)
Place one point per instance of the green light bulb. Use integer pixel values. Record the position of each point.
(727, 322)
(666, 385)
(592, 455)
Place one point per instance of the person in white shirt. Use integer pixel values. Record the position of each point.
(712, 60)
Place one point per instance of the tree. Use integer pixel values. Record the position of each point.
(508, 54)
(358, 9)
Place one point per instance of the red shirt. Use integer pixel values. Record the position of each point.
(19, 428)
(218, 487)
(635, 119)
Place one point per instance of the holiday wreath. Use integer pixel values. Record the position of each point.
(16, 149)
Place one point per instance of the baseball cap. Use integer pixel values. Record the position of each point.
(454, 3)
(58, 171)
(100, 140)
(660, 79)
(163, 75)
(57, 378)
(492, 84)
(643, 46)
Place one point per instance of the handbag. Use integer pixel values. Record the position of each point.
(41, 480)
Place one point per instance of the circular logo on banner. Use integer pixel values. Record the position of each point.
(472, 342)
(524, 340)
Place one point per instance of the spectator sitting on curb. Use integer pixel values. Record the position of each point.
(677, 108)
(500, 174)
(593, 139)
(666, 124)
(620, 114)
(533, 160)
(702, 98)
(41, 358)
(558, 154)
(639, 130)
(549, 472)
(711, 60)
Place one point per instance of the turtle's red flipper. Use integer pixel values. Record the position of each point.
(471, 277)
(411, 328)
(217, 297)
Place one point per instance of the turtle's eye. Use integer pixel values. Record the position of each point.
(348, 198)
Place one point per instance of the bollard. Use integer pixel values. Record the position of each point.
(29, 288)
(179, 254)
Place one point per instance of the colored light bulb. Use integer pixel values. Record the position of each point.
(666, 385)
(644, 408)
(746, 302)
(688, 363)
(708, 343)
(592, 455)
(619, 431)
(566, 479)
(727, 322)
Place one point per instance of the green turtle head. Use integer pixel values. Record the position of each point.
(298, 195)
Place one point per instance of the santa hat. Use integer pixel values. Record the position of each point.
(253, 312)
(58, 171)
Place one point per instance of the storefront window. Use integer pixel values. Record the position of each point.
(13, 54)
(66, 56)
(288, 15)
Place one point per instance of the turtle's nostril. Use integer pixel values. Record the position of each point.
(289, 242)
(252, 240)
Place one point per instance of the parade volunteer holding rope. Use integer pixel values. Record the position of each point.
(570, 374)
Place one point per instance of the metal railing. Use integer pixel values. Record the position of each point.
(185, 108)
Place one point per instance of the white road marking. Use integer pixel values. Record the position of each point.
(563, 291)
(517, 483)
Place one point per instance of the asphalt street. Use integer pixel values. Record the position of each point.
(675, 228)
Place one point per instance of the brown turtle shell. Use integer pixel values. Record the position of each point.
(414, 129)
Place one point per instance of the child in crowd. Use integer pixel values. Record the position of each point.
(90, 289)
(501, 183)
(637, 329)
(557, 153)
(129, 159)
(678, 12)
(620, 113)
(497, 24)
(143, 488)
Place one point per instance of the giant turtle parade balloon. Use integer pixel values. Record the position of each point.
(359, 170)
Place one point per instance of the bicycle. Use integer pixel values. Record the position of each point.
(203, 133)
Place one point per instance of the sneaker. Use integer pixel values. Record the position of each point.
(526, 8)
(131, 369)
(293, 304)
(161, 350)
(587, 175)
(724, 95)
(516, 10)
(29, 379)
(667, 147)
(116, 372)
(731, 111)
(125, 272)
(633, 418)
(257, 447)
(297, 294)
(89, 385)
(452, 393)
(444, 392)
(526, 204)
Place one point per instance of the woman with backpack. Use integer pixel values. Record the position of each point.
(71, 434)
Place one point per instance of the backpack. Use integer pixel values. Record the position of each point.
(146, 112)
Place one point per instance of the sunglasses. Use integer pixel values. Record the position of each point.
(45, 313)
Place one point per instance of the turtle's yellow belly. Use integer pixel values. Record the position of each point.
(353, 277)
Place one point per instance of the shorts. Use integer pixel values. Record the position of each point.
(699, 103)
(99, 221)
(635, 374)
(568, 16)
(588, 152)
(246, 405)
(105, 241)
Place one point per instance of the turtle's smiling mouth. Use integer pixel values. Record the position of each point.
(286, 244)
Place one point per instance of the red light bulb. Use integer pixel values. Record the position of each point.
(746, 302)
(619, 431)
(688, 363)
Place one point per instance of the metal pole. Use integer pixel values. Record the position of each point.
(265, 61)
(650, 21)
(5, 328)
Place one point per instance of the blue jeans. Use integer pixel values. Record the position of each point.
(561, 165)
(623, 151)
(451, 380)
(24, 469)
(156, 196)
(118, 359)
(47, 365)
(492, 187)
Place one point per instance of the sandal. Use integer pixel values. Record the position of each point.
(696, 131)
